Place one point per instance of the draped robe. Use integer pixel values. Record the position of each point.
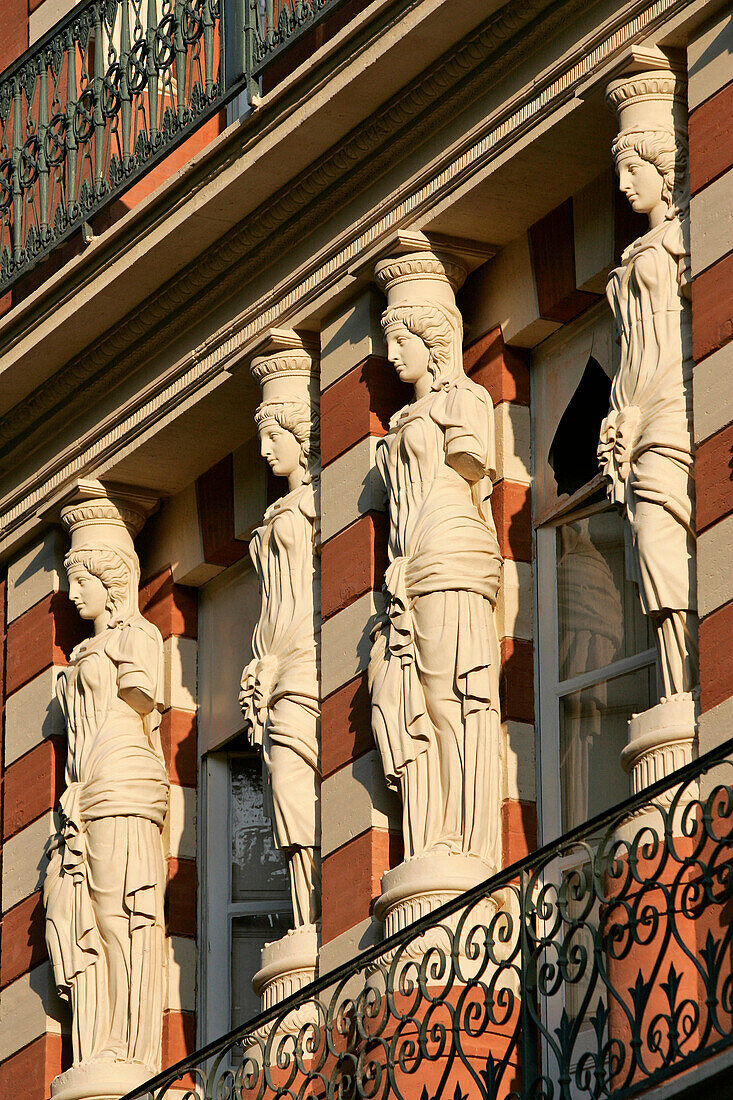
(434, 665)
(106, 877)
(645, 448)
(280, 685)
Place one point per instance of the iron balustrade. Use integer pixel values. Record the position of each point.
(272, 25)
(108, 92)
(596, 967)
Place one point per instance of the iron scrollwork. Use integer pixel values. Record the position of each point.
(114, 87)
(594, 968)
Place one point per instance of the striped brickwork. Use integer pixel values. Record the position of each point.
(361, 835)
(504, 372)
(711, 246)
(173, 609)
(40, 629)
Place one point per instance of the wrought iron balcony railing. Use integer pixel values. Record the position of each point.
(275, 23)
(108, 92)
(600, 965)
(99, 99)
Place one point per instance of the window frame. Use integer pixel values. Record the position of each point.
(550, 688)
(217, 909)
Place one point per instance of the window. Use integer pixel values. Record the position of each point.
(247, 903)
(597, 663)
(245, 895)
(259, 902)
(596, 660)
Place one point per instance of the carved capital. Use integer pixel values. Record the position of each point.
(649, 101)
(420, 276)
(102, 518)
(288, 369)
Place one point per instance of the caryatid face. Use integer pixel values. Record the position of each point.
(640, 182)
(407, 353)
(280, 449)
(87, 593)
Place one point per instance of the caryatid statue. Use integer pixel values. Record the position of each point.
(434, 667)
(279, 691)
(105, 881)
(646, 444)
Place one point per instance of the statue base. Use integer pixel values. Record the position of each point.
(661, 740)
(103, 1079)
(288, 964)
(423, 883)
(418, 887)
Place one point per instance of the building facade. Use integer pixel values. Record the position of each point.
(365, 503)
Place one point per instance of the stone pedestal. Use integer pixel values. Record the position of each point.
(100, 1080)
(423, 883)
(288, 964)
(418, 887)
(661, 740)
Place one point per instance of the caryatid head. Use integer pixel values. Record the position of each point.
(287, 419)
(650, 150)
(422, 324)
(102, 566)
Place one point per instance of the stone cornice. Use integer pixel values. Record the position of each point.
(267, 234)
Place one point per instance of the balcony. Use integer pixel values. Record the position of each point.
(597, 967)
(109, 92)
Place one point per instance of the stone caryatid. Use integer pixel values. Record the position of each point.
(279, 691)
(105, 881)
(645, 449)
(434, 667)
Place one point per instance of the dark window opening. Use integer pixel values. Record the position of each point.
(572, 454)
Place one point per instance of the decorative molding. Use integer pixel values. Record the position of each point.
(272, 229)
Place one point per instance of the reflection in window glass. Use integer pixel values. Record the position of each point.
(259, 869)
(600, 616)
(593, 732)
(249, 935)
(260, 885)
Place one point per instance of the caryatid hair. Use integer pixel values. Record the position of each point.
(299, 418)
(437, 332)
(668, 153)
(112, 571)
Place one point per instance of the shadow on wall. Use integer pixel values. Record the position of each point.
(720, 45)
(69, 628)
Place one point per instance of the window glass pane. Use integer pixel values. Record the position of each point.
(259, 870)
(600, 616)
(249, 936)
(593, 731)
